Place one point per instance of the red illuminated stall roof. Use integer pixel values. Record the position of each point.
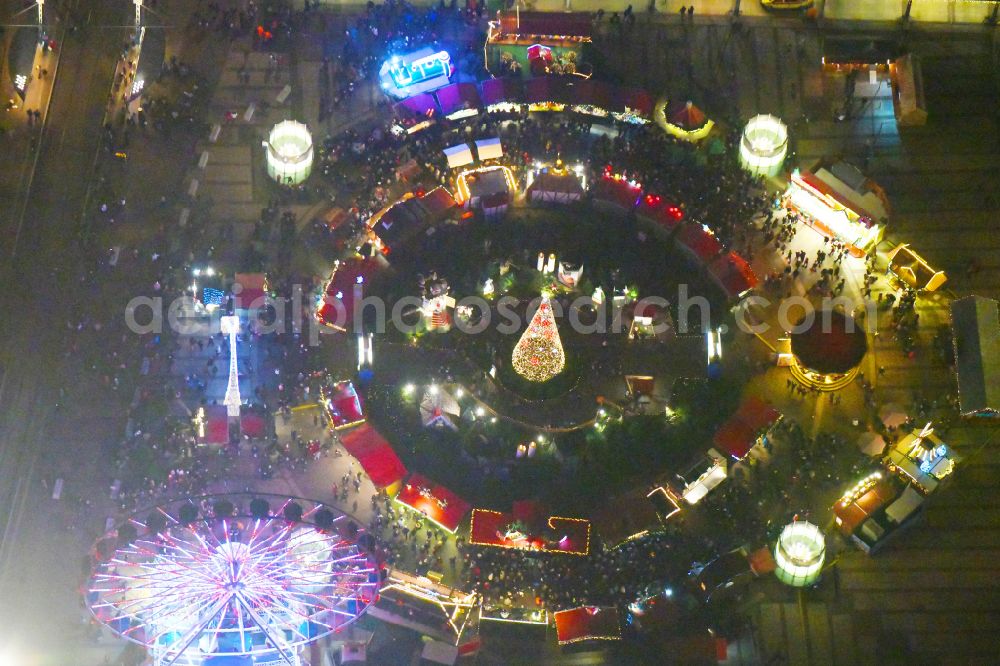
(660, 211)
(216, 425)
(702, 244)
(345, 407)
(636, 99)
(375, 455)
(739, 434)
(434, 501)
(339, 293)
(733, 274)
(564, 535)
(616, 191)
(546, 24)
(587, 623)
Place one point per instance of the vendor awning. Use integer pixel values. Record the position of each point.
(459, 156)
(976, 333)
(251, 289)
(420, 105)
(701, 243)
(458, 96)
(617, 192)
(438, 504)
(375, 455)
(587, 623)
(543, 89)
(489, 149)
(499, 91)
(635, 99)
(733, 274)
(739, 434)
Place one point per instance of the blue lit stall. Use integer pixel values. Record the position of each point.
(421, 71)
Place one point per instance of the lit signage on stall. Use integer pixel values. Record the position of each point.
(405, 74)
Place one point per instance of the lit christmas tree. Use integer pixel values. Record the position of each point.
(538, 355)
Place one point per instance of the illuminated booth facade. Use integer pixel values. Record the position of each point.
(764, 145)
(289, 149)
(838, 201)
(421, 71)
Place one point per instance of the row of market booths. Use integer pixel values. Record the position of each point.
(727, 269)
(448, 616)
(543, 93)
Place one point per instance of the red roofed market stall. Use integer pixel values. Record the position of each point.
(586, 623)
(733, 274)
(375, 455)
(745, 428)
(438, 504)
(519, 530)
(342, 405)
(615, 192)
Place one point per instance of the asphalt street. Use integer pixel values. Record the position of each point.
(38, 276)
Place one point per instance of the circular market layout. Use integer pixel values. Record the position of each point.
(523, 337)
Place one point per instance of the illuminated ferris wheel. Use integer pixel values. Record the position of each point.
(224, 580)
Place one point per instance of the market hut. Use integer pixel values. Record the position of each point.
(506, 94)
(375, 456)
(975, 328)
(587, 623)
(342, 405)
(616, 192)
(433, 501)
(747, 428)
(555, 184)
(345, 286)
(826, 354)
(733, 274)
(458, 100)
